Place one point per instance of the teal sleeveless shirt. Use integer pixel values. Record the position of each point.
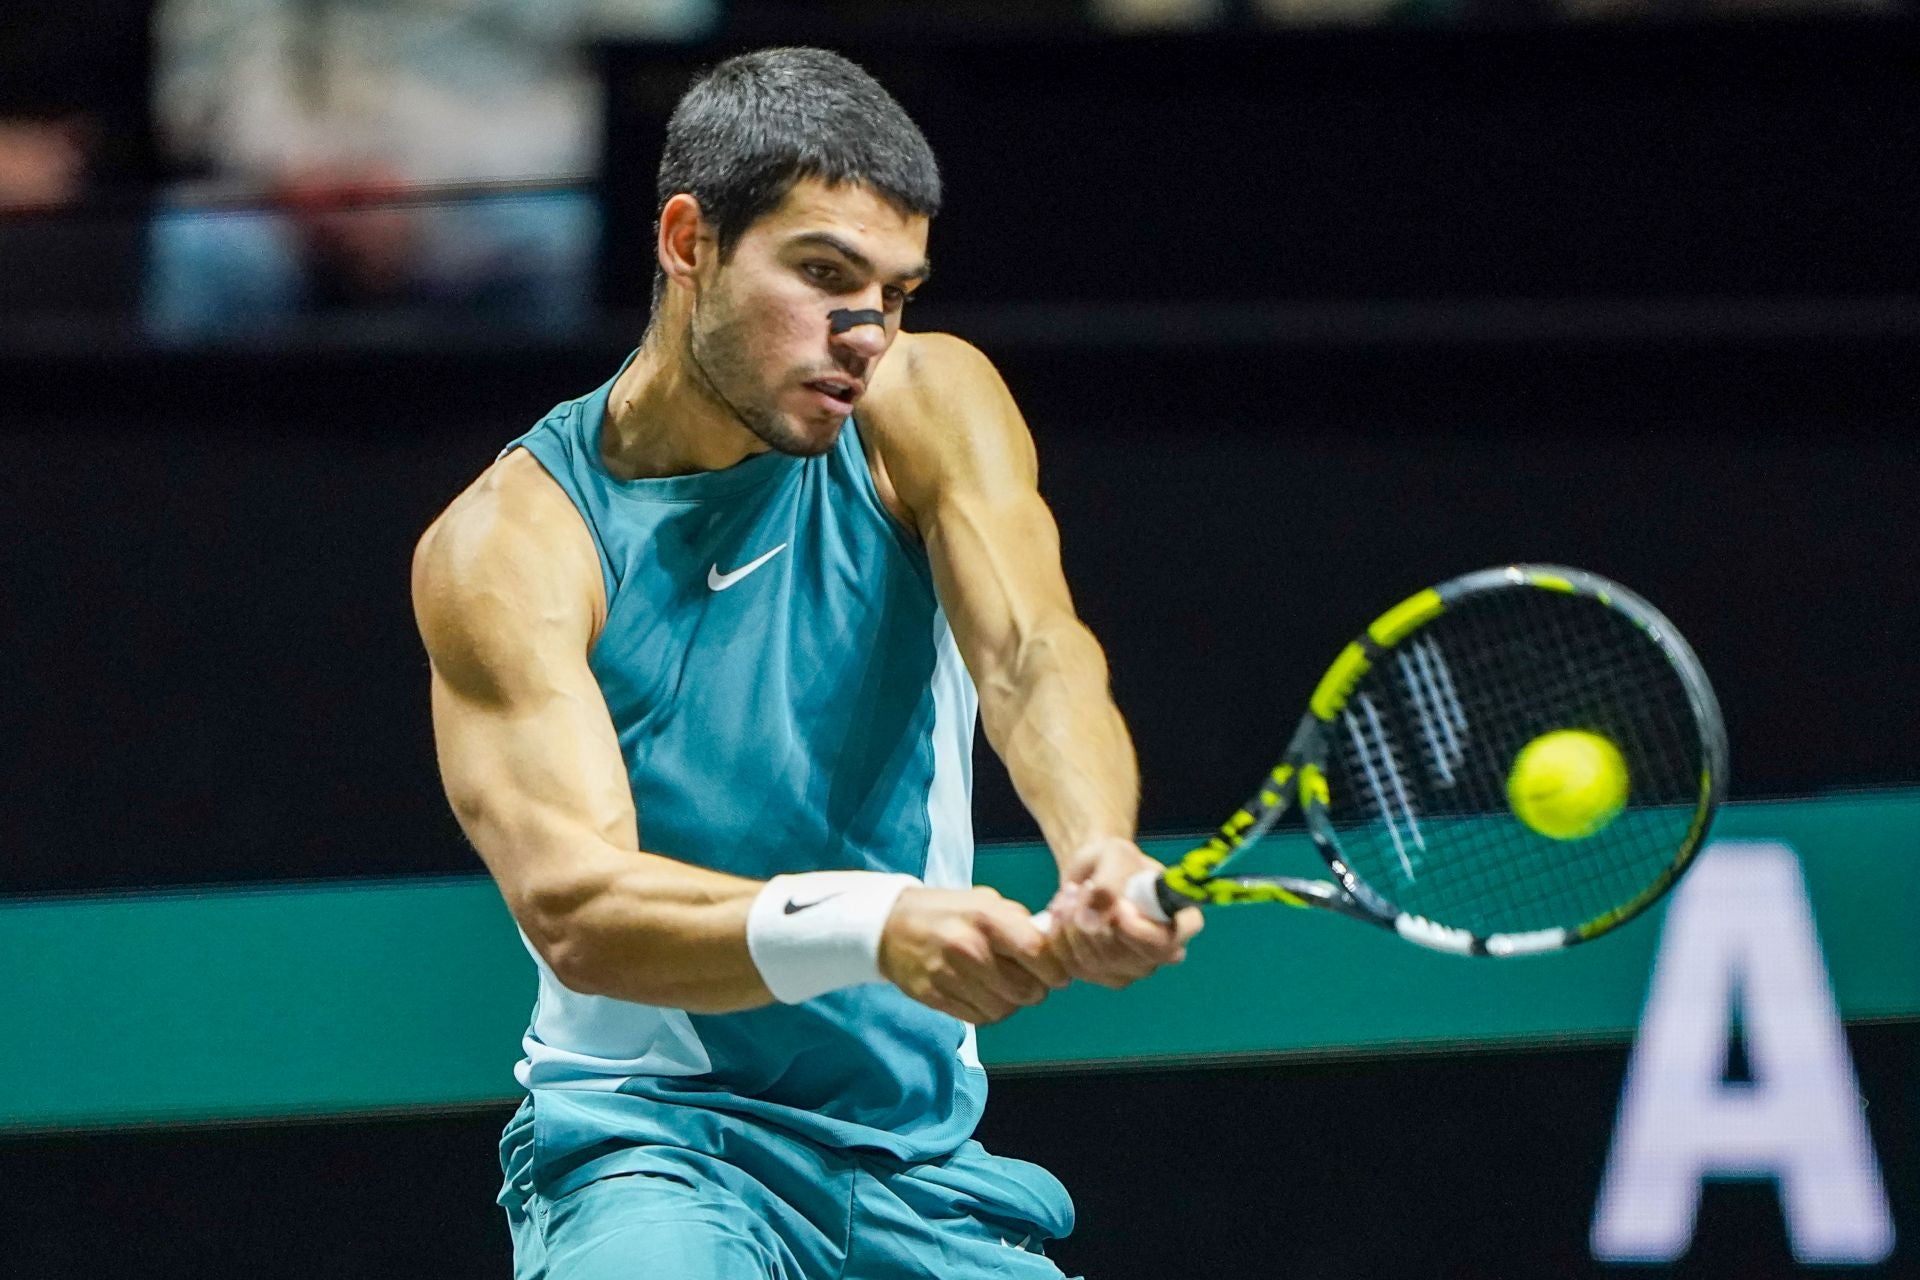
(788, 697)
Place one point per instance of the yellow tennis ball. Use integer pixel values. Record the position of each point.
(1568, 784)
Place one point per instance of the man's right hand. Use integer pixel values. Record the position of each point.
(967, 952)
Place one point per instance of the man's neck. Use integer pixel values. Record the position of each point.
(663, 419)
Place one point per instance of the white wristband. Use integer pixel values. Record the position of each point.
(819, 931)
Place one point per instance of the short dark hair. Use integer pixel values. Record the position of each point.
(758, 123)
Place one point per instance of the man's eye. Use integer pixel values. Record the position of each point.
(897, 297)
(822, 273)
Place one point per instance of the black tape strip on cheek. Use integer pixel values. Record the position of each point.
(845, 319)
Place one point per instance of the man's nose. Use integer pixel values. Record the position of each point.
(859, 333)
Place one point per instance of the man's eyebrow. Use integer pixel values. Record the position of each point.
(860, 260)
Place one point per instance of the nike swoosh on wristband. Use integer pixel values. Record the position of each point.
(793, 906)
(721, 581)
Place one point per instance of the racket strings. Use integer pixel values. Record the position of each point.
(1512, 868)
(1587, 879)
(1420, 756)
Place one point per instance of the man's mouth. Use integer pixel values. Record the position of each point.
(841, 391)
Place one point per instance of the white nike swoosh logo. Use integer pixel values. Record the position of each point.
(721, 581)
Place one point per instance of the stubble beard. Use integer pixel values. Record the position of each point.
(719, 357)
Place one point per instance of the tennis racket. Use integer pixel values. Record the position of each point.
(1401, 770)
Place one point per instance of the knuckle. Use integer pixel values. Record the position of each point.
(959, 947)
(970, 953)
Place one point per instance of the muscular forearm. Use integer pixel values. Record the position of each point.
(640, 927)
(1053, 722)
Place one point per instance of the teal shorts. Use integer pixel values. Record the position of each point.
(744, 1200)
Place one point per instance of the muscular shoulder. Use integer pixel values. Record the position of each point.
(942, 419)
(920, 366)
(506, 574)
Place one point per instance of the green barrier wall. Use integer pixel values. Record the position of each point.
(233, 1004)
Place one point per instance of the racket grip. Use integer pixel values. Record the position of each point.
(1141, 891)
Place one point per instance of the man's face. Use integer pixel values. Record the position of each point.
(759, 331)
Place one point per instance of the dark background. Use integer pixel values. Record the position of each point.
(1303, 322)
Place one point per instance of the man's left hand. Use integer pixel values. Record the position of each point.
(1098, 934)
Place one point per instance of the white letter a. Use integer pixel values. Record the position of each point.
(1739, 928)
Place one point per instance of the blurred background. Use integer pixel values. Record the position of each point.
(1310, 303)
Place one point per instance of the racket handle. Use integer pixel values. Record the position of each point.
(1141, 891)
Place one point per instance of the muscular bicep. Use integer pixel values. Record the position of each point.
(527, 752)
(531, 775)
(996, 565)
(966, 470)
(965, 465)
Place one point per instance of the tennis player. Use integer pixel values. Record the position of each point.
(705, 648)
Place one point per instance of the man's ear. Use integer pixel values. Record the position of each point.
(681, 244)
